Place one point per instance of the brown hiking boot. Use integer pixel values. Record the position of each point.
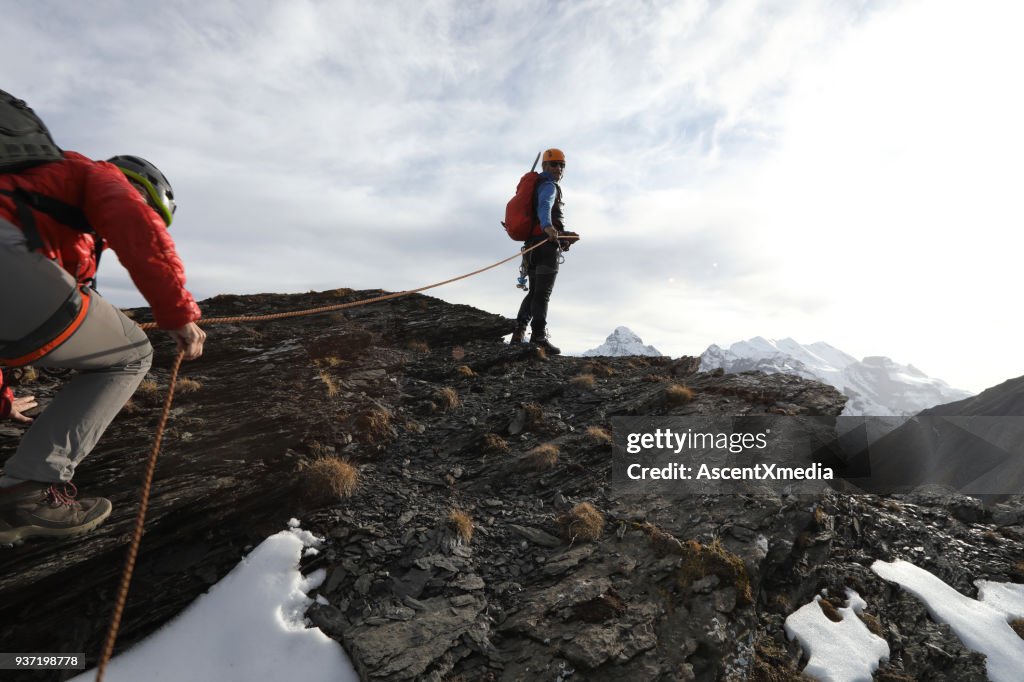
(542, 340)
(33, 509)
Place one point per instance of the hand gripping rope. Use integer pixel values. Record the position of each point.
(133, 548)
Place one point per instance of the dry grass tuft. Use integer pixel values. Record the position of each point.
(447, 398)
(662, 541)
(539, 353)
(147, 388)
(782, 604)
(772, 663)
(677, 394)
(329, 478)
(186, 385)
(28, 375)
(465, 371)
(820, 517)
(462, 523)
(541, 458)
(330, 383)
(598, 434)
(329, 361)
(458, 353)
(582, 522)
(654, 378)
(495, 443)
(714, 559)
(374, 426)
(991, 537)
(130, 407)
(583, 381)
(418, 346)
(597, 368)
(534, 414)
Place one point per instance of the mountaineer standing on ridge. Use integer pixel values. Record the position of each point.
(542, 262)
(58, 211)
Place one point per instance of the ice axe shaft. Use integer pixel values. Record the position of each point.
(534, 167)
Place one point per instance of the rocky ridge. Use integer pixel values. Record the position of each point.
(463, 553)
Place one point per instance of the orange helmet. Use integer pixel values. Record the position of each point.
(554, 155)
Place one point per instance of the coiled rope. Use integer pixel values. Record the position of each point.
(133, 548)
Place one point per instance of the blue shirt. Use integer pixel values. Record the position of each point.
(545, 198)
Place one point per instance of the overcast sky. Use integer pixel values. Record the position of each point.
(847, 172)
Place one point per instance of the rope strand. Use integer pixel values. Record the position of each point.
(133, 548)
(352, 304)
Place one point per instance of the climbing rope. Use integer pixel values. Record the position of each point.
(133, 549)
(352, 304)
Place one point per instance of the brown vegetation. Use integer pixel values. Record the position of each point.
(462, 523)
(541, 458)
(597, 368)
(447, 398)
(598, 434)
(677, 394)
(186, 385)
(583, 381)
(329, 478)
(373, 426)
(495, 443)
(582, 522)
(465, 371)
(714, 559)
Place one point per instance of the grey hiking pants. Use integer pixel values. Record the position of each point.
(109, 351)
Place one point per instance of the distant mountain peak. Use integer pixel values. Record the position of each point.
(622, 341)
(875, 385)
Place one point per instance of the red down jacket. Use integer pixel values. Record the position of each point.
(125, 222)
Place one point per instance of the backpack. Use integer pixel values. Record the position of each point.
(521, 211)
(25, 142)
(24, 139)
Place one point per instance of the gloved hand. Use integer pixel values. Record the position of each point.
(566, 243)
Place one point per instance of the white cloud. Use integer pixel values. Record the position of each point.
(848, 167)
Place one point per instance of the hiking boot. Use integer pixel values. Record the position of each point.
(518, 336)
(33, 509)
(542, 340)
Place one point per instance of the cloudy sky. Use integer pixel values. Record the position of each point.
(841, 171)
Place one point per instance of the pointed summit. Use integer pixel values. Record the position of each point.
(623, 341)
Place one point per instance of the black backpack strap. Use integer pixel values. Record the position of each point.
(70, 216)
(27, 219)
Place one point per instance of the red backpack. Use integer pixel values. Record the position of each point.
(521, 214)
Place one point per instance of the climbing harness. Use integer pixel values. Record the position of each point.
(523, 267)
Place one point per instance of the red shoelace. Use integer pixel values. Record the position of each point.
(62, 493)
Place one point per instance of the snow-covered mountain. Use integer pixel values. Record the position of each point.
(620, 342)
(875, 386)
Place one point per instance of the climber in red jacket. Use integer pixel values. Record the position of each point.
(55, 220)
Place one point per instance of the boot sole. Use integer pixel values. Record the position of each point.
(22, 533)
